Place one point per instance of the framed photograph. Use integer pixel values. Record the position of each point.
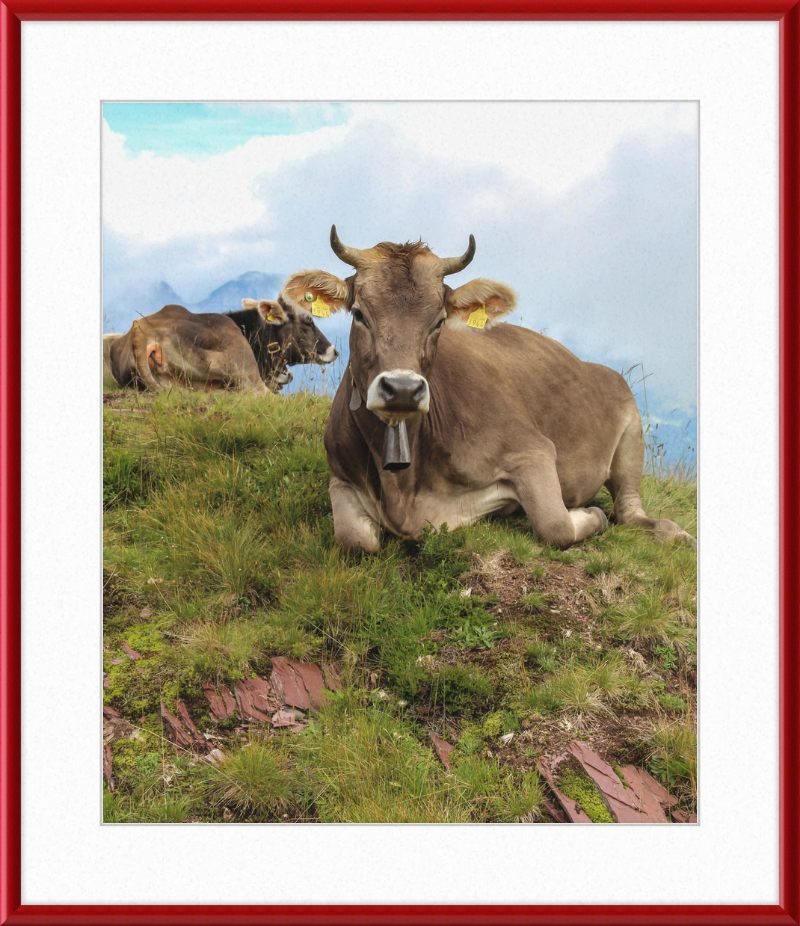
(621, 182)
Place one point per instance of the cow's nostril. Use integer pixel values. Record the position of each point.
(387, 390)
(419, 393)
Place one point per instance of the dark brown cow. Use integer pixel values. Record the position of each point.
(246, 350)
(505, 417)
(277, 345)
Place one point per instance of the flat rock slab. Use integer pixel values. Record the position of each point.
(222, 703)
(443, 750)
(647, 800)
(664, 797)
(644, 801)
(131, 652)
(107, 768)
(291, 720)
(174, 731)
(183, 732)
(555, 812)
(678, 816)
(301, 684)
(256, 699)
(115, 727)
(292, 685)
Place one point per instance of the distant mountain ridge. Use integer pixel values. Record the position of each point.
(250, 285)
(118, 314)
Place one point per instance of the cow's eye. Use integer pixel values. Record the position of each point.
(440, 323)
(358, 315)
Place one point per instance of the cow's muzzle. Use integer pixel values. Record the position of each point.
(398, 394)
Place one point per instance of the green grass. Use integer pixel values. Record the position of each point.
(219, 555)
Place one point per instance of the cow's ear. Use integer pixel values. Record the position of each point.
(272, 312)
(480, 303)
(249, 303)
(315, 292)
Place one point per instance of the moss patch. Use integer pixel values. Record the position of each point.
(573, 781)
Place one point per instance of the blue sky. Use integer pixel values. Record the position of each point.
(588, 210)
(200, 129)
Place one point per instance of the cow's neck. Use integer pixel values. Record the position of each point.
(272, 358)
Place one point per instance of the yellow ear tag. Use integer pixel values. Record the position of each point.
(270, 317)
(478, 318)
(320, 308)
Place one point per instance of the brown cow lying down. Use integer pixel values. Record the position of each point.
(504, 418)
(247, 350)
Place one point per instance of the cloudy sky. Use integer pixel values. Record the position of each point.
(588, 210)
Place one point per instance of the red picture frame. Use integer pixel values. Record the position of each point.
(12, 13)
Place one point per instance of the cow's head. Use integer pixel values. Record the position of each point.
(399, 302)
(289, 333)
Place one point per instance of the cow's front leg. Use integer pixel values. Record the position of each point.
(354, 528)
(539, 491)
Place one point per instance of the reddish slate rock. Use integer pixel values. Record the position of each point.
(186, 720)
(648, 802)
(297, 683)
(115, 727)
(290, 720)
(555, 813)
(175, 732)
(679, 816)
(443, 750)
(621, 802)
(664, 797)
(223, 705)
(106, 682)
(572, 809)
(188, 724)
(331, 678)
(145, 613)
(256, 699)
(116, 662)
(131, 652)
(107, 768)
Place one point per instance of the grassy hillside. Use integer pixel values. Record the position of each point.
(219, 554)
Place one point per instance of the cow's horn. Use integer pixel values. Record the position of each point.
(454, 264)
(350, 256)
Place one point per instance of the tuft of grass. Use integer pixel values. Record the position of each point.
(255, 780)
(672, 755)
(366, 766)
(647, 620)
(535, 602)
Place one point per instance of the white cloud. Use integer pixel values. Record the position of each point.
(549, 146)
(153, 199)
